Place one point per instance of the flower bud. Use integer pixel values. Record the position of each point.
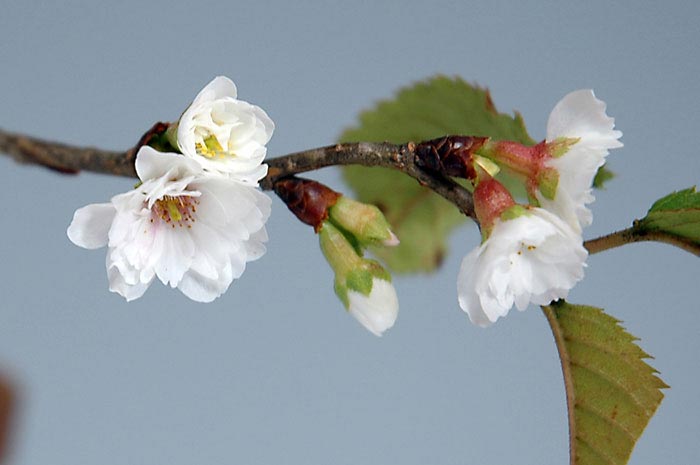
(365, 222)
(308, 200)
(363, 285)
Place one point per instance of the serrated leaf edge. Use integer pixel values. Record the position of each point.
(572, 406)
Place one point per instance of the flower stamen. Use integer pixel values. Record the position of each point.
(177, 210)
(211, 148)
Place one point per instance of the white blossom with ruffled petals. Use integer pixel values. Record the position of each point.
(193, 231)
(225, 135)
(579, 115)
(536, 257)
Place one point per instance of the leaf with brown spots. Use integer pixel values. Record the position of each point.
(611, 392)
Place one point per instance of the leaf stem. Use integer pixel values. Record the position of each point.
(560, 342)
(638, 233)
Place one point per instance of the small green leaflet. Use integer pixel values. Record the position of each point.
(675, 218)
(602, 176)
(611, 392)
(421, 219)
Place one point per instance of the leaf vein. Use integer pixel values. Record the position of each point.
(600, 453)
(611, 381)
(606, 419)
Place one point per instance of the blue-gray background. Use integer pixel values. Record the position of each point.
(275, 372)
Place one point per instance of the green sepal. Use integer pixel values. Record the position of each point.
(341, 290)
(489, 167)
(162, 142)
(359, 280)
(377, 270)
(513, 212)
(561, 145)
(352, 272)
(547, 182)
(340, 253)
(362, 222)
(171, 135)
(532, 200)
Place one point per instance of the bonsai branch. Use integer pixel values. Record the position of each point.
(73, 159)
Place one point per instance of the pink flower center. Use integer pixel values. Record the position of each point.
(178, 210)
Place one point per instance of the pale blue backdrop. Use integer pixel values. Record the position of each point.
(275, 372)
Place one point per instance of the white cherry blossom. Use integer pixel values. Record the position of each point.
(192, 231)
(533, 258)
(225, 135)
(579, 115)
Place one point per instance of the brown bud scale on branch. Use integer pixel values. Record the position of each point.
(450, 155)
(308, 200)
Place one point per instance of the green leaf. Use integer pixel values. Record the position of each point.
(427, 110)
(611, 392)
(602, 176)
(674, 219)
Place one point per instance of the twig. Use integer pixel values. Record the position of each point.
(638, 233)
(72, 159)
(66, 158)
(386, 155)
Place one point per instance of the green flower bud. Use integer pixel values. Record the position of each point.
(365, 222)
(363, 285)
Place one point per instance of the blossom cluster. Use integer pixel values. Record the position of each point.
(534, 253)
(196, 217)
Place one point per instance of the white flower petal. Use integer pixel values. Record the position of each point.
(177, 256)
(219, 87)
(225, 135)
(534, 258)
(466, 291)
(579, 115)
(90, 226)
(377, 311)
(118, 284)
(570, 209)
(152, 164)
(255, 246)
(192, 230)
(203, 289)
(209, 260)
